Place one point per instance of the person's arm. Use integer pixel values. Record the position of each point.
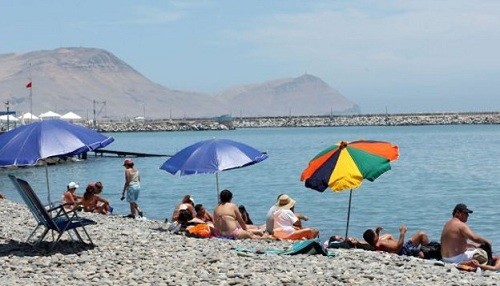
(472, 236)
(125, 185)
(401, 241)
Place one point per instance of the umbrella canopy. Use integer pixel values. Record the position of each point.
(28, 116)
(26, 145)
(212, 156)
(343, 166)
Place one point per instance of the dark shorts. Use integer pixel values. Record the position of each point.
(409, 249)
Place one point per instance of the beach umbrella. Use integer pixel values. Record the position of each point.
(345, 165)
(29, 144)
(212, 156)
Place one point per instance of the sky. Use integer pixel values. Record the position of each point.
(386, 56)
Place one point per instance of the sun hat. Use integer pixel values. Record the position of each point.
(481, 256)
(285, 202)
(128, 162)
(73, 185)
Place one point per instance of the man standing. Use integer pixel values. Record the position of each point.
(455, 247)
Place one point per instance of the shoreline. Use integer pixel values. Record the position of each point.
(200, 124)
(141, 252)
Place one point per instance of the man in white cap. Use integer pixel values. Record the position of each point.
(69, 199)
(287, 224)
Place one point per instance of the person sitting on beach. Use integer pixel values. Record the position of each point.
(245, 215)
(388, 243)
(228, 221)
(287, 224)
(202, 215)
(270, 216)
(101, 200)
(187, 203)
(69, 199)
(455, 247)
(90, 201)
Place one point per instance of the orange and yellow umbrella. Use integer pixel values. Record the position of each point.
(344, 165)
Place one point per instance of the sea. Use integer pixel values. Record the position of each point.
(438, 167)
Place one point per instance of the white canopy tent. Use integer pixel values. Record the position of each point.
(70, 116)
(49, 115)
(10, 117)
(28, 117)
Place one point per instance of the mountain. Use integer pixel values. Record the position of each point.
(88, 80)
(304, 95)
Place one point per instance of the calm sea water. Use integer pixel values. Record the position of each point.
(439, 166)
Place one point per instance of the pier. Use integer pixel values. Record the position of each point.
(107, 152)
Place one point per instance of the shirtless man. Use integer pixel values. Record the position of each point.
(387, 242)
(455, 247)
(227, 219)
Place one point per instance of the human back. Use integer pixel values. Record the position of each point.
(453, 240)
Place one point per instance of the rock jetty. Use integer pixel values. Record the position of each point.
(142, 252)
(301, 121)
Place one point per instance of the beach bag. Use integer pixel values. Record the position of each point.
(432, 250)
(201, 230)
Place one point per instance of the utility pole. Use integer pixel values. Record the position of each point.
(96, 113)
(8, 115)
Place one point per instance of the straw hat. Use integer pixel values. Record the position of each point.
(481, 256)
(285, 202)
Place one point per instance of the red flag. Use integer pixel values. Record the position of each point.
(28, 85)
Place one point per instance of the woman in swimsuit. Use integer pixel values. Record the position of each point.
(227, 219)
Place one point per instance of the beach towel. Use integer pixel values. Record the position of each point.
(308, 247)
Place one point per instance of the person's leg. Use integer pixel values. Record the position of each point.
(420, 238)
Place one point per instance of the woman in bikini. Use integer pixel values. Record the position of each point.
(228, 221)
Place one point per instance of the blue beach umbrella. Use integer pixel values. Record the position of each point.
(29, 144)
(213, 156)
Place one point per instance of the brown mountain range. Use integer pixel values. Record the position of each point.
(88, 80)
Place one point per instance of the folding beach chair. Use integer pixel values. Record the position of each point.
(61, 222)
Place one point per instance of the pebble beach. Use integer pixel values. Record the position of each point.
(142, 252)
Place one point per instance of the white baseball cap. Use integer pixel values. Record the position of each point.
(73, 185)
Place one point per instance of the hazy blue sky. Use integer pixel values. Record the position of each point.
(406, 56)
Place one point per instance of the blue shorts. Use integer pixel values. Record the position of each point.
(409, 249)
(133, 193)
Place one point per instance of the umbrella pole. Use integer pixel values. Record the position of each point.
(348, 215)
(217, 183)
(48, 187)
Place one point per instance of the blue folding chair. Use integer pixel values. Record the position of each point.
(60, 223)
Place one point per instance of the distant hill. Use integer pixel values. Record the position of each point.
(81, 79)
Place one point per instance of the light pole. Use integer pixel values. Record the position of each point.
(7, 107)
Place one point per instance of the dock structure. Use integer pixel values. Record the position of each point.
(107, 152)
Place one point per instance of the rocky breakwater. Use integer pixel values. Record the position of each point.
(302, 121)
(160, 125)
(142, 252)
(371, 120)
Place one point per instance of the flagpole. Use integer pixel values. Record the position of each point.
(31, 95)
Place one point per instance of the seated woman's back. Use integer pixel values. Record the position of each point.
(225, 217)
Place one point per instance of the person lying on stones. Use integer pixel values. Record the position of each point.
(387, 242)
